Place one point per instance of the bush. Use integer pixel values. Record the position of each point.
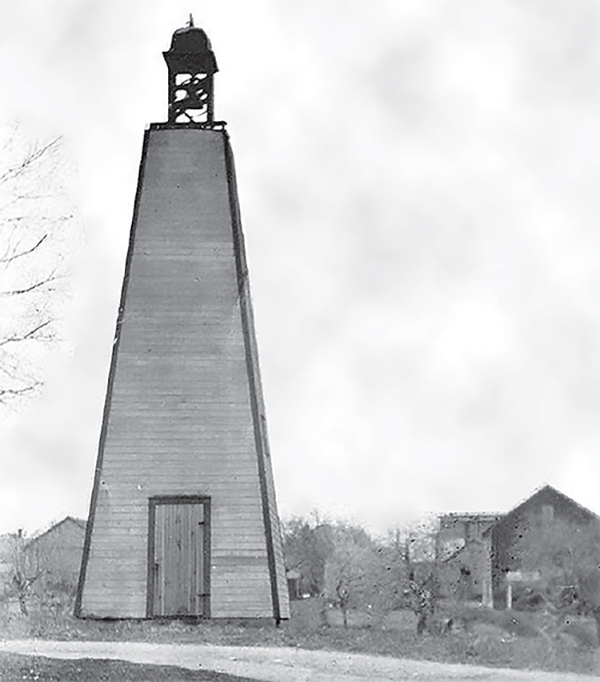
(528, 600)
(582, 634)
(510, 621)
(517, 623)
(308, 615)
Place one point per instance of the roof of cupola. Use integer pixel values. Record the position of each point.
(191, 48)
(190, 39)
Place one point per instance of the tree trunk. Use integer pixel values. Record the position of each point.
(596, 614)
(23, 604)
(324, 622)
(345, 614)
(20, 585)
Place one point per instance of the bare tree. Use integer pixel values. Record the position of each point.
(415, 545)
(349, 569)
(22, 580)
(35, 218)
(307, 542)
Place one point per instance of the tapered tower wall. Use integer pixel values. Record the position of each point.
(184, 414)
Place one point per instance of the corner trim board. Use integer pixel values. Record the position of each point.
(111, 378)
(251, 365)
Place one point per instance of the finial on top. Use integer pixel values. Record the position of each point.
(191, 21)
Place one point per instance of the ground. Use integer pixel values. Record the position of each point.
(482, 638)
(257, 663)
(18, 667)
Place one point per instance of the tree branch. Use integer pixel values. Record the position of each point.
(28, 161)
(15, 338)
(14, 256)
(29, 289)
(6, 393)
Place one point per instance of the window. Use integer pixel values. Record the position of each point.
(547, 514)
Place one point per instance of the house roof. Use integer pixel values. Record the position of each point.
(551, 488)
(471, 516)
(81, 523)
(544, 488)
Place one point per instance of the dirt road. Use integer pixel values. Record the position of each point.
(281, 664)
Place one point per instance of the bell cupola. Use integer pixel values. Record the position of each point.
(192, 65)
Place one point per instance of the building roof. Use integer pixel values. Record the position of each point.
(541, 490)
(190, 39)
(81, 523)
(545, 487)
(473, 516)
(191, 47)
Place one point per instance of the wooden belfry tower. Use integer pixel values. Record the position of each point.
(183, 520)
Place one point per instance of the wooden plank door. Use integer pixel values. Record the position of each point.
(179, 557)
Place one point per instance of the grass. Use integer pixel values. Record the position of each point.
(480, 636)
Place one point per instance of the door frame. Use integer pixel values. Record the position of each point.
(178, 499)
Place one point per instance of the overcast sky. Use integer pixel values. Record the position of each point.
(418, 183)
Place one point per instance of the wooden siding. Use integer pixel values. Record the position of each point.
(56, 554)
(179, 418)
(528, 517)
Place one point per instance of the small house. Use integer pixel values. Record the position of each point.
(480, 556)
(8, 553)
(462, 554)
(55, 554)
(293, 581)
(508, 539)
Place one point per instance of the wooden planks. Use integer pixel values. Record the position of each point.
(179, 583)
(179, 418)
